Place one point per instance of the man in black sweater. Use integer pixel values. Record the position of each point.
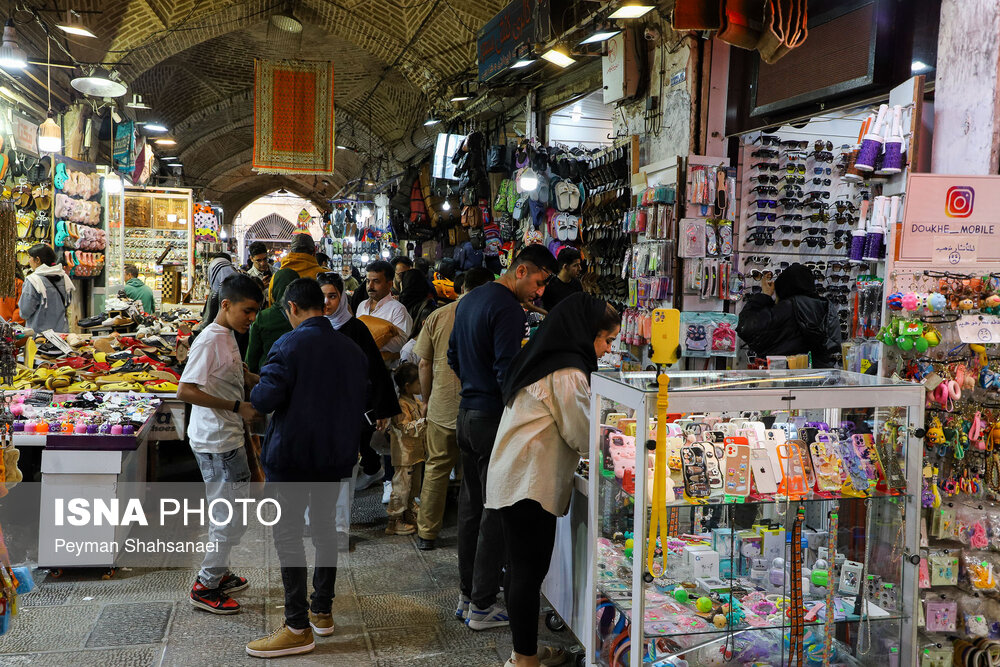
(489, 327)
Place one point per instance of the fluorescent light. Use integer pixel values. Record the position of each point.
(341, 148)
(165, 142)
(167, 158)
(155, 127)
(558, 58)
(600, 36)
(523, 62)
(918, 66)
(630, 11)
(74, 26)
(431, 121)
(461, 98)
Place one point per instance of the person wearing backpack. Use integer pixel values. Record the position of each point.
(46, 292)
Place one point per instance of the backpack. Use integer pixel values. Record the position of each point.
(418, 211)
(477, 237)
(472, 217)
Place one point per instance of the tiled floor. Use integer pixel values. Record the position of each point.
(394, 606)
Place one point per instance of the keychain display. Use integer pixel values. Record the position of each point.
(708, 334)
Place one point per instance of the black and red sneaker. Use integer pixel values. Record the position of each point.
(232, 583)
(213, 600)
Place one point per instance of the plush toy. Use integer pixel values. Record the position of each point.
(8, 469)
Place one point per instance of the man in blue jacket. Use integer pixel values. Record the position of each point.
(310, 445)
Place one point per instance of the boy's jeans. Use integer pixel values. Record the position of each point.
(226, 475)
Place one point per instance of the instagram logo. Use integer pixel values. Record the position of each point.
(959, 201)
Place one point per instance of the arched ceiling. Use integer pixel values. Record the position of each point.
(193, 61)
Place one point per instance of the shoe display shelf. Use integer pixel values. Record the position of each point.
(769, 497)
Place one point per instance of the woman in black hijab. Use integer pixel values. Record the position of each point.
(542, 435)
(797, 321)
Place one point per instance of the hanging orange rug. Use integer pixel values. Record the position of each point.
(293, 118)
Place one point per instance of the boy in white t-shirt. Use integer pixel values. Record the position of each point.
(213, 383)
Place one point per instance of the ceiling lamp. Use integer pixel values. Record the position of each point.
(154, 127)
(630, 11)
(137, 102)
(167, 158)
(601, 33)
(99, 84)
(164, 141)
(522, 62)
(558, 57)
(461, 97)
(74, 26)
(431, 121)
(286, 23)
(11, 54)
(49, 134)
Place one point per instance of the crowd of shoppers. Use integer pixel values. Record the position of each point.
(508, 420)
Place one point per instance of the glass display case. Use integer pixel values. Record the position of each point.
(758, 480)
(150, 228)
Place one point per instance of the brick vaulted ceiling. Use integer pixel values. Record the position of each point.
(192, 60)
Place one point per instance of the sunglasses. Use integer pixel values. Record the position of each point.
(845, 219)
(766, 166)
(765, 152)
(843, 206)
(823, 156)
(841, 264)
(820, 145)
(820, 171)
(794, 143)
(813, 241)
(757, 274)
(761, 229)
(819, 217)
(793, 191)
(817, 204)
(758, 259)
(765, 203)
(794, 179)
(839, 278)
(796, 155)
(842, 235)
(790, 229)
(838, 298)
(765, 189)
(821, 181)
(762, 216)
(791, 216)
(765, 178)
(795, 168)
(790, 202)
(816, 230)
(770, 140)
(761, 239)
(821, 194)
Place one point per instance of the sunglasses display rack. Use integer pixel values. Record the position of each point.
(926, 310)
(697, 501)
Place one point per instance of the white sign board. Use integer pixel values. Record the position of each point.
(951, 220)
(983, 329)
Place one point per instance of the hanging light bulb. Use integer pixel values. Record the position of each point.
(528, 182)
(49, 134)
(385, 254)
(446, 206)
(11, 54)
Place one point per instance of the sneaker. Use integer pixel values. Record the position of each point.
(232, 583)
(213, 600)
(282, 642)
(322, 624)
(425, 544)
(548, 656)
(463, 608)
(494, 616)
(399, 527)
(386, 492)
(365, 480)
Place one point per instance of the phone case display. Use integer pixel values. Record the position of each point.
(706, 232)
(770, 522)
(708, 334)
(152, 228)
(78, 215)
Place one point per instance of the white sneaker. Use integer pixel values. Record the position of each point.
(484, 619)
(365, 480)
(386, 492)
(462, 611)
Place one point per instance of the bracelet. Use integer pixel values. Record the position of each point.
(236, 408)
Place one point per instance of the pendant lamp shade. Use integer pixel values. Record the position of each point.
(49, 136)
(98, 84)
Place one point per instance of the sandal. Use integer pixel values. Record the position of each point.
(42, 195)
(40, 230)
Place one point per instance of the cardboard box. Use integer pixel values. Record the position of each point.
(705, 564)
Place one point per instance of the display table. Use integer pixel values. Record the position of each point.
(85, 466)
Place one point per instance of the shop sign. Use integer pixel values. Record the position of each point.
(168, 422)
(498, 41)
(25, 134)
(951, 220)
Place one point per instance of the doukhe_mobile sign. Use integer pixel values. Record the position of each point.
(498, 42)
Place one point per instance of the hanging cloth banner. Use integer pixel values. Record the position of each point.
(293, 117)
(124, 145)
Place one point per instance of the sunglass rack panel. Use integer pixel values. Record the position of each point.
(926, 311)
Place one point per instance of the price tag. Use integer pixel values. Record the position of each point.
(54, 338)
(865, 365)
(983, 329)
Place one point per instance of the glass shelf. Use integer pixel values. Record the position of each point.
(686, 381)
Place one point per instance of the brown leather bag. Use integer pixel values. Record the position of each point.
(472, 217)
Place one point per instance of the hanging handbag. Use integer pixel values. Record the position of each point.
(496, 155)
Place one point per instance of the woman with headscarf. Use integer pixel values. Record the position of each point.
(271, 323)
(795, 321)
(544, 430)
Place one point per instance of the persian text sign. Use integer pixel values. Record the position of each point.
(25, 134)
(951, 220)
(498, 41)
(981, 329)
